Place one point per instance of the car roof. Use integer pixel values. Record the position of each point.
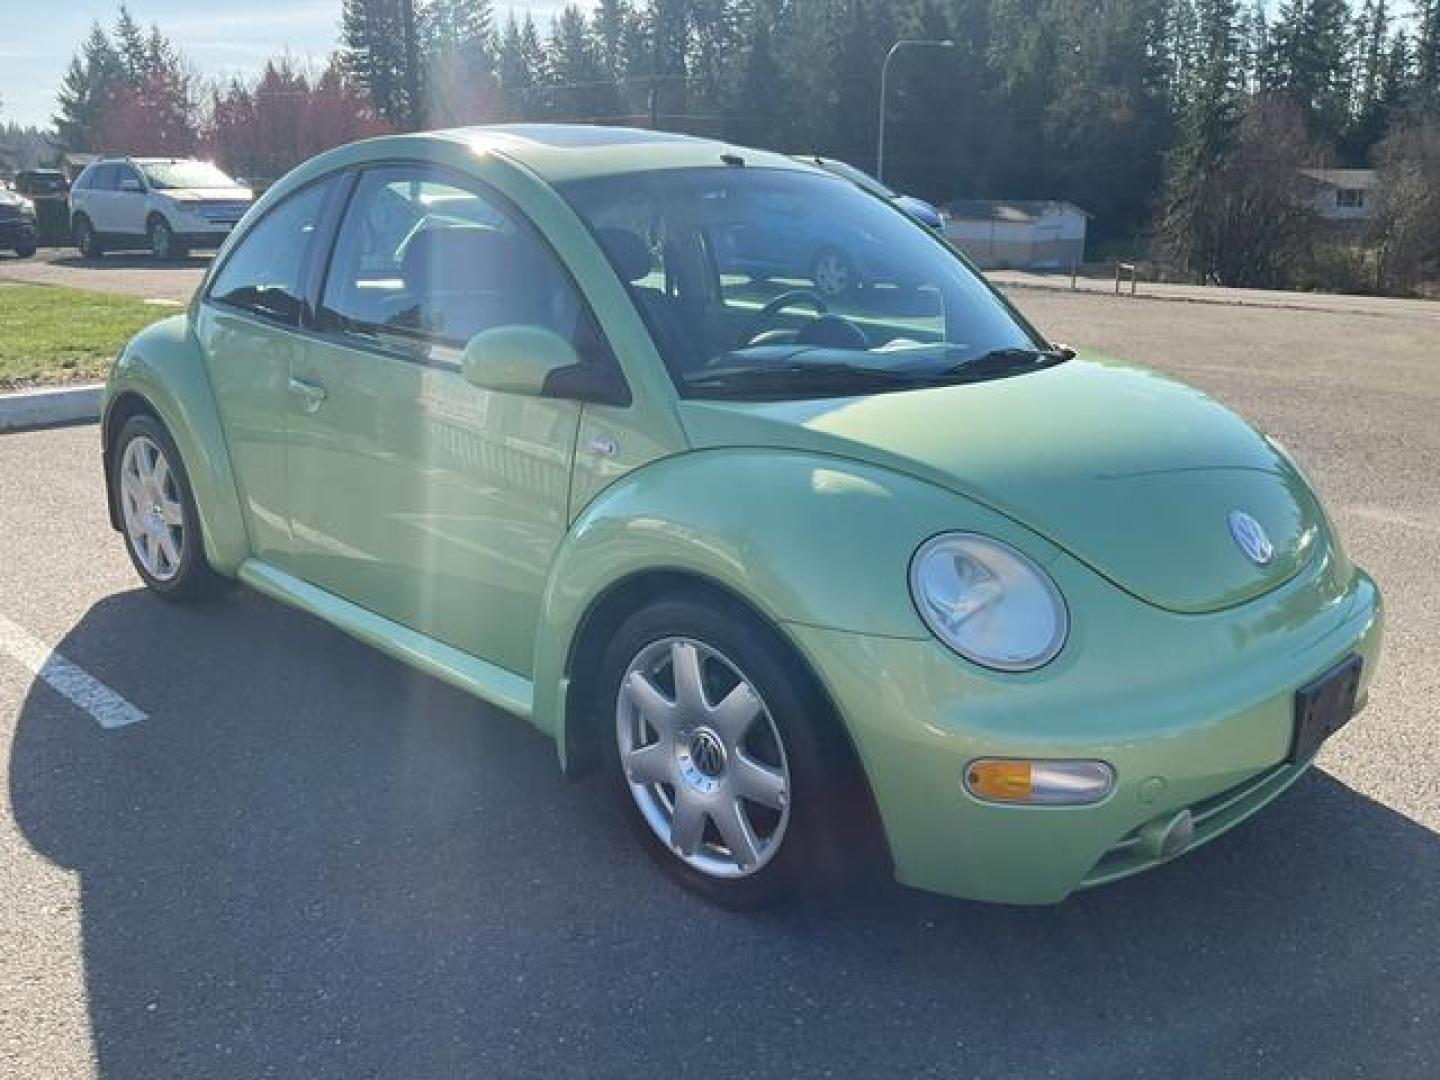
(561, 152)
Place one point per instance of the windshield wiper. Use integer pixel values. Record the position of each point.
(998, 363)
(814, 379)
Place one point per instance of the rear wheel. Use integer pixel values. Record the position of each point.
(157, 512)
(86, 239)
(725, 757)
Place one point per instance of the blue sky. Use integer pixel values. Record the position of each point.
(221, 37)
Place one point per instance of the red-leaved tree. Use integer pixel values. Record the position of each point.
(262, 129)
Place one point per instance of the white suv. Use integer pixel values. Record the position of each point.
(168, 205)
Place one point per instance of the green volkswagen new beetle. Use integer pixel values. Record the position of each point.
(817, 577)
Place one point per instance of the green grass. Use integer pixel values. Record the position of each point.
(51, 335)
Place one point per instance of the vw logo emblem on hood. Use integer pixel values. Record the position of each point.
(1250, 538)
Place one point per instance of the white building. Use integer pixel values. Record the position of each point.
(1016, 233)
(1343, 194)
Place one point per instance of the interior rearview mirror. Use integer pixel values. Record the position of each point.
(537, 362)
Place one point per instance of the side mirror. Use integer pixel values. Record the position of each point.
(537, 362)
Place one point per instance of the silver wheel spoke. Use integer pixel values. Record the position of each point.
(759, 782)
(171, 512)
(650, 764)
(739, 837)
(733, 716)
(169, 547)
(687, 823)
(685, 662)
(159, 474)
(130, 492)
(655, 707)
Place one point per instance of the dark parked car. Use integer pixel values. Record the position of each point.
(17, 223)
(48, 189)
(42, 183)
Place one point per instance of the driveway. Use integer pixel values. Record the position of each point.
(127, 273)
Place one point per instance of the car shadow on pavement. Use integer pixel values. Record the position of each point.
(133, 260)
(310, 861)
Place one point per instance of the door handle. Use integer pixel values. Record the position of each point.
(311, 395)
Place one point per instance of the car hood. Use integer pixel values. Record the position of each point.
(1131, 472)
(219, 195)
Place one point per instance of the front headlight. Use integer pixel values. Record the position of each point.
(988, 602)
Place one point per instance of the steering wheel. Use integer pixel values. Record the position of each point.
(780, 303)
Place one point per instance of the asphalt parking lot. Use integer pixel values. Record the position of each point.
(308, 861)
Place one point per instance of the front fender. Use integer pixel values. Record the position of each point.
(163, 367)
(803, 538)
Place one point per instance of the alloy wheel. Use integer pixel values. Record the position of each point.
(151, 507)
(703, 758)
(162, 239)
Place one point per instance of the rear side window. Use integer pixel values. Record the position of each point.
(265, 274)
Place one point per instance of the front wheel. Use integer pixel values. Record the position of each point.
(86, 239)
(24, 250)
(163, 244)
(727, 762)
(157, 512)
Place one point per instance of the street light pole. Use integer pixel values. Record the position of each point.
(904, 43)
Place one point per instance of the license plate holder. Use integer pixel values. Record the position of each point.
(1323, 707)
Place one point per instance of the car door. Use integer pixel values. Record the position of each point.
(99, 193)
(246, 325)
(128, 203)
(413, 493)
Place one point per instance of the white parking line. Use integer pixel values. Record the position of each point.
(105, 706)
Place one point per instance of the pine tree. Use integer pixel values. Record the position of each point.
(1311, 41)
(1371, 57)
(1427, 46)
(755, 105)
(520, 68)
(381, 50)
(1108, 118)
(573, 69)
(1207, 138)
(90, 83)
(131, 46)
(457, 42)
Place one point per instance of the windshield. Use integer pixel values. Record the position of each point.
(763, 283)
(185, 174)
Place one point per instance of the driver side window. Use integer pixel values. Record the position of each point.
(424, 261)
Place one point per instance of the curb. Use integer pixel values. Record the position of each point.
(50, 406)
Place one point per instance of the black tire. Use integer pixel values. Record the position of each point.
(830, 830)
(86, 240)
(25, 250)
(163, 244)
(193, 577)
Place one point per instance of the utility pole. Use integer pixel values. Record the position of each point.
(904, 43)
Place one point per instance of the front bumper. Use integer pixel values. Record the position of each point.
(1192, 711)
